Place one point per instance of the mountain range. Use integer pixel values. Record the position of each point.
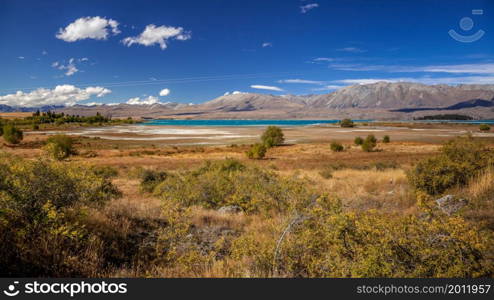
(381, 100)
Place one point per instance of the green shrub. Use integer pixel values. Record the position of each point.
(326, 241)
(336, 147)
(369, 143)
(41, 208)
(60, 146)
(326, 173)
(347, 123)
(386, 139)
(358, 141)
(484, 127)
(104, 171)
(229, 182)
(150, 179)
(272, 136)
(12, 134)
(459, 160)
(257, 151)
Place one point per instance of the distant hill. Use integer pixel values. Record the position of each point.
(7, 108)
(398, 95)
(381, 100)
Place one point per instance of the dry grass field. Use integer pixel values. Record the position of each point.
(15, 115)
(208, 242)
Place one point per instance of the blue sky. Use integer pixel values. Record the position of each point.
(66, 52)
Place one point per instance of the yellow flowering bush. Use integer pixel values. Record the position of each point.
(41, 204)
(229, 182)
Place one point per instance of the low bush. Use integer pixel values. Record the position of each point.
(326, 173)
(12, 134)
(41, 208)
(336, 147)
(257, 151)
(458, 161)
(60, 146)
(358, 141)
(386, 139)
(369, 143)
(150, 179)
(484, 127)
(105, 171)
(347, 123)
(229, 182)
(272, 136)
(325, 241)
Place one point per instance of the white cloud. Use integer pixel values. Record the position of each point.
(366, 80)
(157, 35)
(267, 44)
(424, 80)
(305, 8)
(301, 81)
(44, 52)
(164, 92)
(266, 87)
(352, 50)
(70, 68)
(328, 88)
(480, 68)
(323, 59)
(92, 104)
(61, 95)
(20, 57)
(84, 59)
(234, 93)
(465, 68)
(146, 101)
(88, 28)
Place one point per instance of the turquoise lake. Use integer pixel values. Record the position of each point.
(230, 123)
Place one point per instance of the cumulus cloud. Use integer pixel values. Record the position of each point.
(61, 95)
(306, 8)
(164, 92)
(146, 101)
(70, 68)
(97, 28)
(157, 35)
(267, 44)
(266, 87)
(92, 104)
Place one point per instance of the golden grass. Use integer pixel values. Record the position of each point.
(359, 189)
(482, 185)
(202, 217)
(15, 115)
(366, 189)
